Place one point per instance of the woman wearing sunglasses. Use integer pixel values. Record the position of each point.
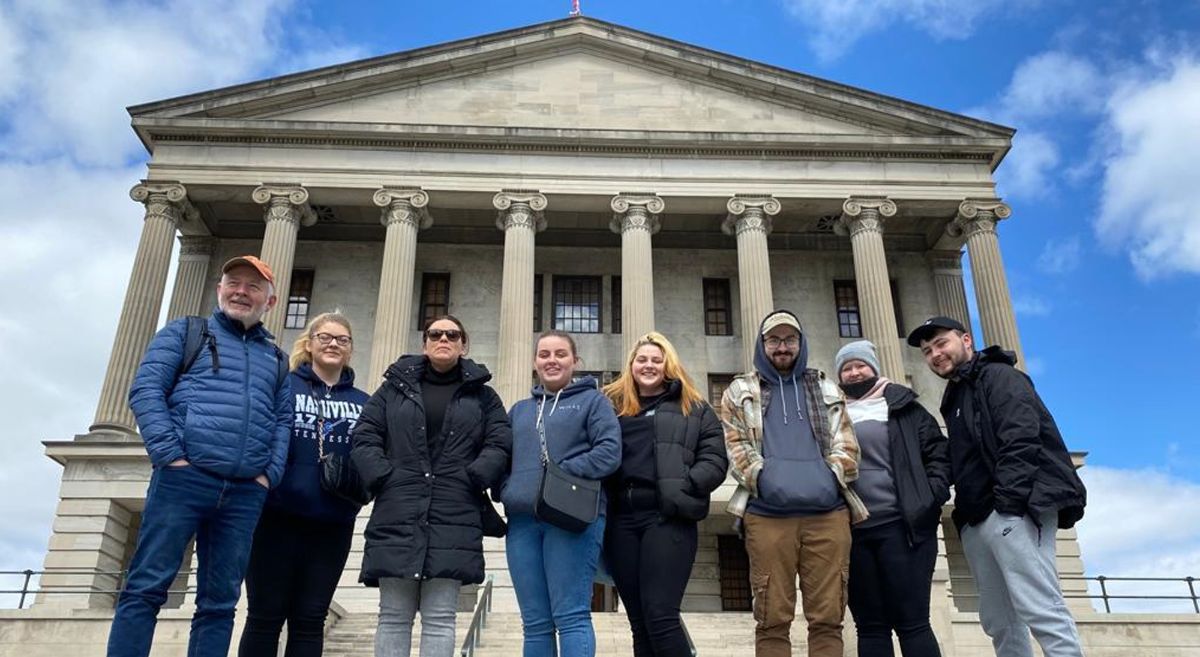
(303, 537)
(430, 441)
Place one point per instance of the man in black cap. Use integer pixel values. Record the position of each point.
(1014, 486)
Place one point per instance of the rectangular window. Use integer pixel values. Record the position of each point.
(537, 303)
(718, 309)
(616, 304)
(577, 304)
(845, 295)
(435, 298)
(717, 383)
(602, 378)
(299, 299)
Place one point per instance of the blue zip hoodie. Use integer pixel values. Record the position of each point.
(300, 493)
(582, 436)
(795, 480)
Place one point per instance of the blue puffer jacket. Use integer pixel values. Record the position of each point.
(236, 422)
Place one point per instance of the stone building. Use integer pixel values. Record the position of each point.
(574, 174)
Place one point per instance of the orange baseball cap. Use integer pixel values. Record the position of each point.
(250, 261)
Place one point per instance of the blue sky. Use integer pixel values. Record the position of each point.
(1102, 250)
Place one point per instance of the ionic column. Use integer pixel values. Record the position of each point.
(166, 203)
(977, 221)
(862, 219)
(195, 252)
(948, 284)
(635, 218)
(285, 209)
(403, 214)
(749, 218)
(520, 217)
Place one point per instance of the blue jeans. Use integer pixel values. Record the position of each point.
(183, 502)
(552, 572)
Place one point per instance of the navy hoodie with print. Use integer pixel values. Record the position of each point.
(582, 436)
(795, 480)
(300, 493)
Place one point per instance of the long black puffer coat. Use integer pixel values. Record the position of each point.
(430, 510)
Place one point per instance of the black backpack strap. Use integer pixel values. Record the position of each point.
(197, 337)
(281, 366)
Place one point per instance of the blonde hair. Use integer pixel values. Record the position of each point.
(300, 353)
(623, 393)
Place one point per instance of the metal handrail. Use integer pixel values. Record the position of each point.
(1107, 597)
(483, 605)
(27, 574)
(688, 635)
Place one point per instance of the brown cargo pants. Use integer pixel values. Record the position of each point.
(817, 548)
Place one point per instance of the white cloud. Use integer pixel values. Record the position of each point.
(1029, 170)
(68, 229)
(1148, 199)
(1141, 523)
(1031, 305)
(1060, 256)
(1051, 83)
(838, 25)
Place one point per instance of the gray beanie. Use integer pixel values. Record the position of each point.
(859, 350)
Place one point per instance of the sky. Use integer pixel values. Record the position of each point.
(1102, 250)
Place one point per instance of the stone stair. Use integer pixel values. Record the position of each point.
(714, 634)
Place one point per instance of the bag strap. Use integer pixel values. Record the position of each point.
(196, 338)
(320, 422)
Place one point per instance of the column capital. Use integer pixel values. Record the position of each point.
(403, 204)
(864, 213)
(636, 211)
(978, 215)
(284, 202)
(520, 208)
(750, 213)
(166, 198)
(195, 246)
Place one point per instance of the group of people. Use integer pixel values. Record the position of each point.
(840, 484)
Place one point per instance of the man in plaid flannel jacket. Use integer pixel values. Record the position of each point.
(794, 454)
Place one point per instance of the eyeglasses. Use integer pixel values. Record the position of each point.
(435, 335)
(324, 339)
(774, 342)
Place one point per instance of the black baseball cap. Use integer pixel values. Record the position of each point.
(930, 327)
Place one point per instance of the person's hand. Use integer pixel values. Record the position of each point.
(263, 481)
(178, 463)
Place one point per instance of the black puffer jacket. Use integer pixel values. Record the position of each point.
(920, 462)
(1020, 444)
(429, 512)
(689, 456)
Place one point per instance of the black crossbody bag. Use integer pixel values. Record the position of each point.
(564, 500)
(338, 476)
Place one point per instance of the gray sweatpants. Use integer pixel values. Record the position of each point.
(1018, 587)
(399, 602)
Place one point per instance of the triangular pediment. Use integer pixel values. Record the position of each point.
(580, 89)
(578, 74)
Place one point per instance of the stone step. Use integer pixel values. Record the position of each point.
(714, 634)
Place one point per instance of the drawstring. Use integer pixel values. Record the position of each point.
(542, 405)
(795, 395)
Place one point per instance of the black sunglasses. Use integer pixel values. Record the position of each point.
(434, 335)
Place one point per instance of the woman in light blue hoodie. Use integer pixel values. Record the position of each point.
(552, 568)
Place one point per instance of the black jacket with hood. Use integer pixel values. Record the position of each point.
(430, 510)
(1019, 442)
(689, 456)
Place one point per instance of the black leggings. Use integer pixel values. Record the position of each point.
(889, 591)
(295, 565)
(651, 560)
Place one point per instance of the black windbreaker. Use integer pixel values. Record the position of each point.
(1019, 442)
(430, 510)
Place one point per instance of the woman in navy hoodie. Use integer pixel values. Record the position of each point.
(303, 536)
(552, 568)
